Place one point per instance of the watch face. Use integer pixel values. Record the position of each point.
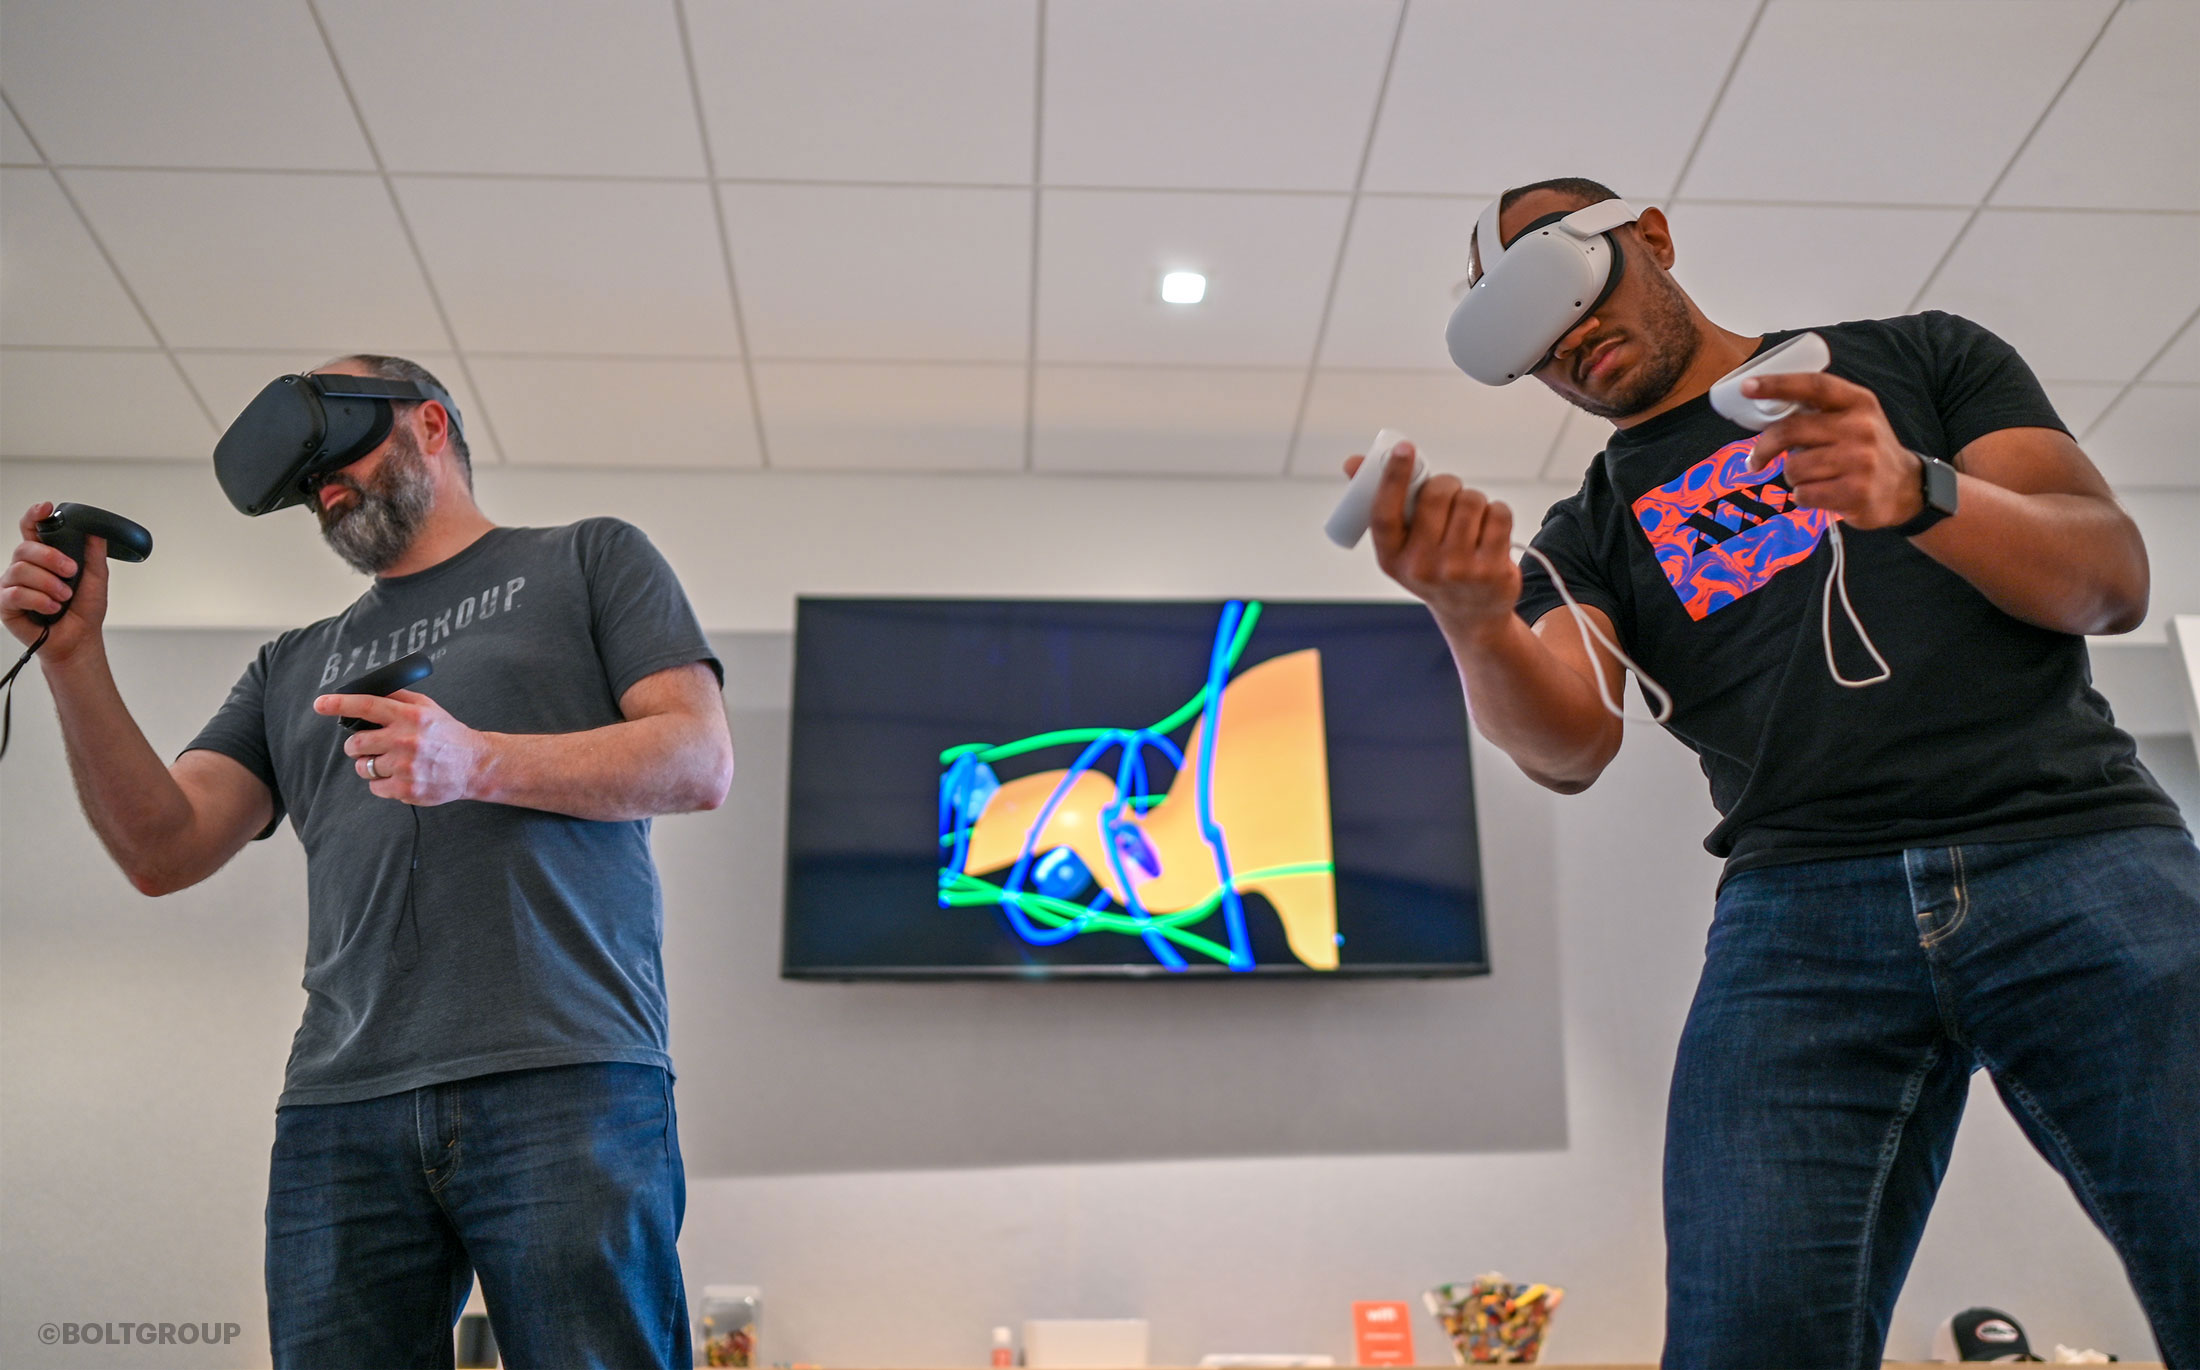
(1940, 486)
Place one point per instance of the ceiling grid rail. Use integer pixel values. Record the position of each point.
(1038, 190)
(404, 224)
(99, 244)
(725, 238)
(1987, 198)
(1344, 240)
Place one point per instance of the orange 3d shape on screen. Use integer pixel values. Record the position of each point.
(1091, 850)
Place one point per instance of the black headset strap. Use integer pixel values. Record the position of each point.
(376, 388)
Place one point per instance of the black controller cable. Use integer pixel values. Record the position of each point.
(385, 680)
(7, 683)
(408, 922)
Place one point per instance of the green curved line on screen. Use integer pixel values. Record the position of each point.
(969, 891)
(1065, 736)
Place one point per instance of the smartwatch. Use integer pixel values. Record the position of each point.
(1937, 482)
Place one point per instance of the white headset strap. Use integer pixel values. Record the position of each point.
(1487, 248)
(1587, 222)
(1601, 217)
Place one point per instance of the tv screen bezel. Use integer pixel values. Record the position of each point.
(1125, 972)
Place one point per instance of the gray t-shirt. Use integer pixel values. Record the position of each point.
(517, 938)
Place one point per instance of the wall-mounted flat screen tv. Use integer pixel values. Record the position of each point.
(1078, 788)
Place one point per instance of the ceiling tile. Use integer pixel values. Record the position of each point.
(206, 83)
(867, 90)
(2079, 403)
(57, 289)
(1267, 259)
(568, 411)
(2182, 362)
(1164, 420)
(488, 86)
(575, 266)
(2147, 440)
(304, 262)
(866, 417)
(1754, 268)
(229, 380)
(1909, 103)
(2140, 77)
(1394, 295)
(2076, 312)
(15, 145)
(1475, 432)
(1495, 93)
(884, 273)
(65, 404)
(1209, 94)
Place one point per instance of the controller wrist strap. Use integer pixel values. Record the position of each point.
(7, 684)
(1592, 637)
(1837, 581)
(1589, 631)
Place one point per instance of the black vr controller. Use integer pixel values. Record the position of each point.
(385, 680)
(67, 529)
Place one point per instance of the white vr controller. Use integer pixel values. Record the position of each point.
(1348, 524)
(1803, 352)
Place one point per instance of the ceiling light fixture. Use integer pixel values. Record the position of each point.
(1183, 287)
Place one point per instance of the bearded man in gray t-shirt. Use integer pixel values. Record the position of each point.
(481, 1082)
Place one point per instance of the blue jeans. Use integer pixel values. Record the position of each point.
(561, 1186)
(1843, 1007)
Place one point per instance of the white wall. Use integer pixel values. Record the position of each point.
(141, 1042)
(747, 543)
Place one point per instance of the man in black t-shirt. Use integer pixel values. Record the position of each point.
(1962, 865)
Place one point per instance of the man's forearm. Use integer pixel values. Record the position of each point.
(139, 811)
(667, 763)
(2067, 562)
(1542, 711)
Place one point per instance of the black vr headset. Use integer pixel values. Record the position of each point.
(300, 428)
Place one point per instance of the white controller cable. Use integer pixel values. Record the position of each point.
(1837, 579)
(1348, 524)
(1591, 637)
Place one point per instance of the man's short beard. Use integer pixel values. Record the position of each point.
(388, 512)
(1668, 340)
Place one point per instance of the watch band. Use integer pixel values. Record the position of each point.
(1937, 483)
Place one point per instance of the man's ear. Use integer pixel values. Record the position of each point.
(432, 426)
(1657, 235)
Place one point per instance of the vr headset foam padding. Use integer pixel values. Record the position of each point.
(301, 428)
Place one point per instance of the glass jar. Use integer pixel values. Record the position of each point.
(729, 1324)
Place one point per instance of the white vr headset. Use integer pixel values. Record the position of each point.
(1534, 291)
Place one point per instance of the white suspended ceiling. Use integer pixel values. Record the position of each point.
(927, 235)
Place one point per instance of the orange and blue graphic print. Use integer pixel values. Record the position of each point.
(1721, 530)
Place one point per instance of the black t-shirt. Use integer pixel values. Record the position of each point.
(1989, 730)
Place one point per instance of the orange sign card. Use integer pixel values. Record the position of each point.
(1382, 1334)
